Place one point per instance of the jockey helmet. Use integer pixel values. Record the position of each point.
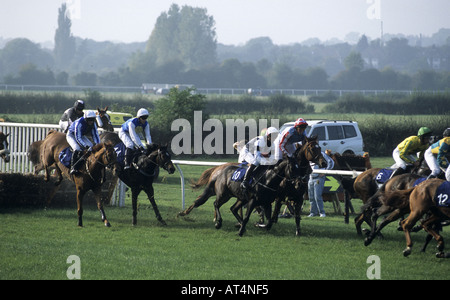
(79, 104)
(446, 132)
(423, 131)
(142, 112)
(89, 115)
(300, 122)
(271, 130)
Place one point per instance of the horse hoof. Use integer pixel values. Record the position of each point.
(107, 224)
(297, 233)
(218, 225)
(163, 222)
(407, 252)
(367, 241)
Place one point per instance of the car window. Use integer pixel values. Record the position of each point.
(320, 132)
(349, 131)
(335, 132)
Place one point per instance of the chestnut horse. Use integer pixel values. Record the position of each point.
(378, 206)
(91, 174)
(34, 151)
(4, 151)
(424, 199)
(141, 177)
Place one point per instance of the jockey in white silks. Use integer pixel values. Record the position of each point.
(129, 136)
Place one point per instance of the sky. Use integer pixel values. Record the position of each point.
(237, 21)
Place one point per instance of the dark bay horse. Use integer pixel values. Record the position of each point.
(4, 151)
(141, 178)
(424, 199)
(219, 183)
(91, 173)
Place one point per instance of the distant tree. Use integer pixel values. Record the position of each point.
(30, 74)
(64, 50)
(187, 34)
(85, 78)
(354, 61)
(62, 78)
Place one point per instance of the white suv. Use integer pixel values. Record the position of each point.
(338, 136)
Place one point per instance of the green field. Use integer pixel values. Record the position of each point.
(35, 243)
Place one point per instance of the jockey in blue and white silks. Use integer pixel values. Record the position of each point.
(77, 139)
(129, 136)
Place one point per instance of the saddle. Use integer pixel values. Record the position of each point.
(65, 157)
(238, 175)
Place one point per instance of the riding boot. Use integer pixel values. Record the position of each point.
(398, 171)
(247, 176)
(73, 163)
(128, 158)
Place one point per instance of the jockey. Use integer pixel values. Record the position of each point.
(71, 114)
(287, 142)
(77, 137)
(129, 136)
(403, 154)
(256, 152)
(435, 155)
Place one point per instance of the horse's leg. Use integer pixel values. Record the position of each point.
(297, 212)
(134, 195)
(98, 197)
(207, 193)
(59, 173)
(277, 208)
(80, 196)
(235, 210)
(428, 226)
(151, 196)
(250, 206)
(268, 212)
(407, 225)
(375, 214)
(220, 200)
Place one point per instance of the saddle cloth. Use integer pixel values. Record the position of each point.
(383, 175)
(65, 157)
(442, 196)
(419, 181)
(238, 175)
(120, 152)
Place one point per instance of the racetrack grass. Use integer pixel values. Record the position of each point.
(36, 242)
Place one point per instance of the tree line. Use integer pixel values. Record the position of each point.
(183, 48)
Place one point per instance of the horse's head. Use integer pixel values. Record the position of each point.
(104, 120)
(312, 152)
(157, 156)
(105, 154)
(164, 160)
(4, 151)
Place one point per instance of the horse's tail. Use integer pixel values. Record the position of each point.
(204, 178)
(398, 199)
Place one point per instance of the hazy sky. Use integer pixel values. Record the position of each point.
(237, 21)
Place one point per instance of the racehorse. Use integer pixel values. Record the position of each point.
(34, 151)
(145, 171)
(365, 186)
(105, 119)
(378, 206)
(4, 151)
(91, 174)
(424, 198)
(262, 194)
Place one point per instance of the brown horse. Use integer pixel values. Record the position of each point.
(378, 205)
(4, 151)
(91, 174)
(34, 151)
(146, 171)
(263, 193)
(422, 200)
